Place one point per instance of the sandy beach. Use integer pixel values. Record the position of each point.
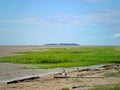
(75, 80)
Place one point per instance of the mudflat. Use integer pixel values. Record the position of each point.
(9, 50)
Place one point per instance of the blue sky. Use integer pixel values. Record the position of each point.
(37, 22)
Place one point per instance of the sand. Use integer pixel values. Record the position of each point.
(75, 80)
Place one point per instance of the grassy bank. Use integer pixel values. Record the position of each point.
(67, 57)
(108, 87)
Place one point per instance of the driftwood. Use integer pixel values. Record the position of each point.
(23, 79)
(74, 87)
(61, 77)
(75, 77)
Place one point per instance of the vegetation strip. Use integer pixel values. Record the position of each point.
(107, 87)
(67, 57)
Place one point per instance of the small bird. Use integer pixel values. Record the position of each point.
(64, 73)
(78, 69)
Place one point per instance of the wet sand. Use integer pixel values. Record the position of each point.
(10, 72)
(9, 50)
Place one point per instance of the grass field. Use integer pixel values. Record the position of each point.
(108, 87)
(67, 57)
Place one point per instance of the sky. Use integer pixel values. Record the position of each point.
(38, 22)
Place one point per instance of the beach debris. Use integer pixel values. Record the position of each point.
(61, 75)
(23, 79)
(112, 66)
(79, 86)
(76, 77)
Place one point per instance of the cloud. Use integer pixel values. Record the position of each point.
(116, 35)
(107, 16)
(101, 17)
(28, 20)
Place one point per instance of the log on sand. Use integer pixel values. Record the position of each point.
(23, 79)
(75, 77)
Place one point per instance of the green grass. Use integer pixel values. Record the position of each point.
(67, 57)
(78, 80)
(108, 87)
(112, 74)
(64, 88)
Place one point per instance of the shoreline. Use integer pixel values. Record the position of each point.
(78, 80)
(22, 74)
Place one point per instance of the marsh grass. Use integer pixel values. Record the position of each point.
(67, 57)
(65, 88)
(108, 87)
(112, 74)
(75, 80)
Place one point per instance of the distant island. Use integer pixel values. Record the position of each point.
(61, 44)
